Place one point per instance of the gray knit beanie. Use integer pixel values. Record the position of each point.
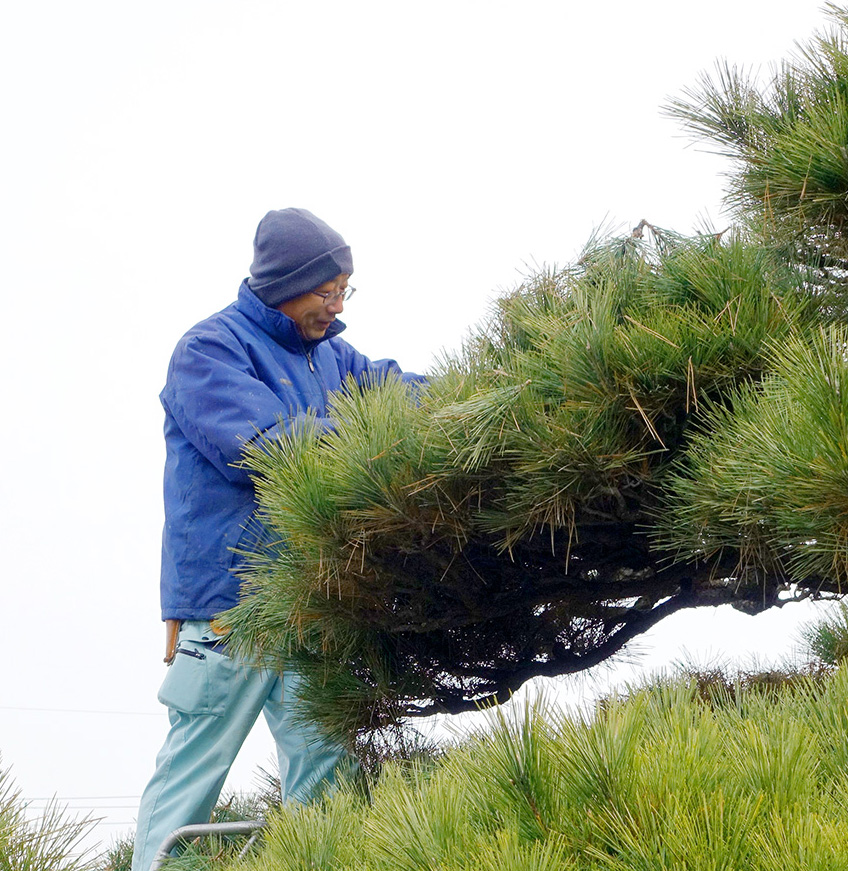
(293, 253)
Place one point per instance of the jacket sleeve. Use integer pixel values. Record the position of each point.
(220, 404)
(358, 365)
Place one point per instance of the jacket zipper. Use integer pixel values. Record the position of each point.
(314, 371)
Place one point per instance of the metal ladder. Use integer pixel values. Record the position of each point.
(187, 833)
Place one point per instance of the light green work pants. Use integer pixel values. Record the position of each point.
(213, 702)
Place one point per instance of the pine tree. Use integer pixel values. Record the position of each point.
(787, 141)
(660, 426)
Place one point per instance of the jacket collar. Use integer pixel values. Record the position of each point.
(279, 326)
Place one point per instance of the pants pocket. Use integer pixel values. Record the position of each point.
(198, 681)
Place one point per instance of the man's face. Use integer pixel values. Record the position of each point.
(311, 313)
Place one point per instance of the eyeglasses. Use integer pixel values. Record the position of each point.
(335, 295)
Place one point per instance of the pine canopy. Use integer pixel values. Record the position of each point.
(660, 426)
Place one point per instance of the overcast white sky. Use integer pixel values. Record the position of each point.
(453, 143)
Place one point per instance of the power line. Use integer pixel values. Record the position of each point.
(81, 797)
(86, 807)
(98, 814)
(80, 711)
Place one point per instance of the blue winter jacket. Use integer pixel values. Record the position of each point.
(239, 373)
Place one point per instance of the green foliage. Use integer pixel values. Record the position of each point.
(50, 842)
(661, 425)
(441, 545)
(315, 837)
(827, 639)
(787, 139)
(610, 358)
(661, 780)
(744, 482)
(118, 857)
(206, 853)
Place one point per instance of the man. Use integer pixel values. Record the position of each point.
(249, 371)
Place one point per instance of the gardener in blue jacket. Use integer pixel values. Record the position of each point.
(250, 370)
